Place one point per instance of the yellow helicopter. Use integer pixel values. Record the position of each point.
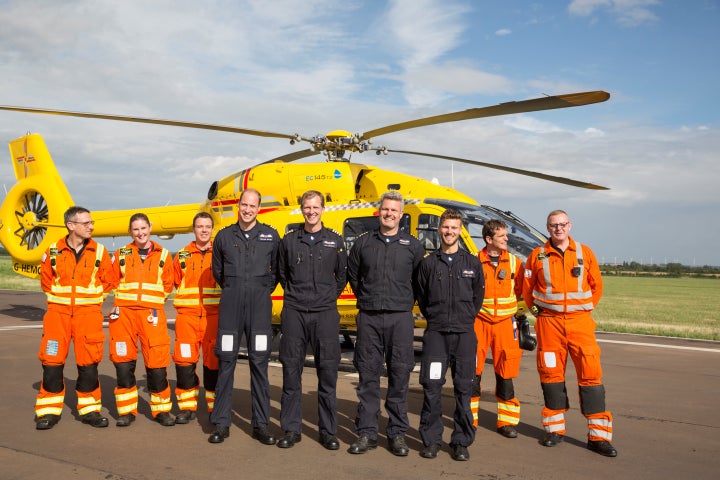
(31, 216)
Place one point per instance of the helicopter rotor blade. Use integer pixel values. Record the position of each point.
(529, 173)
(536, 104)
(291, 157)
(156, 121)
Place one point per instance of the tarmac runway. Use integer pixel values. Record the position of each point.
(663, 394)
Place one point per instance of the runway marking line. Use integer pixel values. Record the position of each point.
(619, 342)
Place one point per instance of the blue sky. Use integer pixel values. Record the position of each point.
(311, 66)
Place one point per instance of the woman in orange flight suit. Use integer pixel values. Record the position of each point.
(146, 279)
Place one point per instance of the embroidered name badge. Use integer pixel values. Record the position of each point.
(404, 241)
(330, 243)
(125, 251)
(184, 254)
(468, 274)
(542, 256)
(265, 237)
(53, 251)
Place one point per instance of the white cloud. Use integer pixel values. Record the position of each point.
(628, 13)
(503, 31)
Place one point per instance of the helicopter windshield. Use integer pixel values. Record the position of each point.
(522, 238)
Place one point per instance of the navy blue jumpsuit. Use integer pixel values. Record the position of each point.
(312, 269)
(244, 264)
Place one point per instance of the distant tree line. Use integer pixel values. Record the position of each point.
(667, 269)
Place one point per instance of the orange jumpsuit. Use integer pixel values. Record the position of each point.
(566, 287)
(495, 329)
(197, 301)
(75, 288)
(140, 296)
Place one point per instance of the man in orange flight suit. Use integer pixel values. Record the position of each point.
(75, 275)
(562, 279)
(146, 279)
(495, 326)
(197, 302)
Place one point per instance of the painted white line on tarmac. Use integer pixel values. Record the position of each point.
(619, 342)
(659, 345)
(170, 321)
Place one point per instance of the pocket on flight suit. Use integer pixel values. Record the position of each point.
(329, 354)
(292, 352)
(227, 344)
(185, 351)
(123, 349)
(159, 353)
(590, 368)
(53, 351)
(509, 366)
(432, 371)
(93, 345)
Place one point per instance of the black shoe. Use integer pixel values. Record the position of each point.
(329, 441)
(551, 439)
(125, 420)
(94, 419)
(46, 422)
(602, 447)
(362, 445)
(289, 440)
(263, 435)
(508, 431)
(165, 419)
(184, 417)
(430, 451)
(460, 453)
(398, 446)
(220, 434)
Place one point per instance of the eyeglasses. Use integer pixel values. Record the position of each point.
(84, 224)
(561, 226)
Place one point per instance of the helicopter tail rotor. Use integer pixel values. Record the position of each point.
(31, 216)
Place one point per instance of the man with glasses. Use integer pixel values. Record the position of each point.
(76, 274)
(562, 280)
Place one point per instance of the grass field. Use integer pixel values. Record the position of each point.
(672, 307)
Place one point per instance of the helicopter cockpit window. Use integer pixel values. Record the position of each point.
(522, 238)
(427, 232)
(354, 227)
